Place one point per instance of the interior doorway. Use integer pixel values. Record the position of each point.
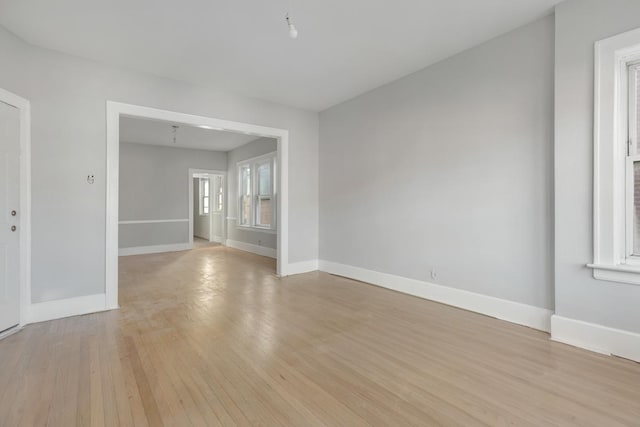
(270, 142)
(207, 207)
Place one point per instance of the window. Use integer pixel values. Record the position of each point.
(632, 166)
(617, 159)
(257, 206)
(245, 195)
(218, 191)
(204, 196)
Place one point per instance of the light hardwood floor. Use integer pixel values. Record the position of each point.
(212, 337)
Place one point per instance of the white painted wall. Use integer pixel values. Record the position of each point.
(579, 24)
(154, 185)
(253, 149)
(68, 97)
(449, 169)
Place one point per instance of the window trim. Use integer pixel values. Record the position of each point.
(218, 199)
(613, 56)
(252, 164)
(202, 196)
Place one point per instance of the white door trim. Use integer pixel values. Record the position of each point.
(116, 109)
(25, 199)
(191, 212)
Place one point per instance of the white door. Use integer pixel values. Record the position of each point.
(217, 219)
(9, 216)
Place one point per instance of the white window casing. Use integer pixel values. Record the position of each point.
(253, 195)
(615, 151)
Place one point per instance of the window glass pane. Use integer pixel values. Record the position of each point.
(636, 208)
(264, 179)
(204, 193)
(245, 208)
(636, 100)
(264, 213)
(246, 181)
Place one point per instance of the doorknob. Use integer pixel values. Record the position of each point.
(13, 228)
(13, 213)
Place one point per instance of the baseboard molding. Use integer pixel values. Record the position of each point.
(514, 312)
(11, 331)
(218, 239)
(598, 338)
(156, 249)
(51, 310)
(248, 247)
(302, 267)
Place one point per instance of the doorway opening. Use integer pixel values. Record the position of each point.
(207, 208)
(268, 188)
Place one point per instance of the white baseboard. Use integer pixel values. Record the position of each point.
(11, 331)
(598, 338)
(156, 249)
(248, 247)
(302, 267)
(218, 239)
(50, 310)
(521, 314)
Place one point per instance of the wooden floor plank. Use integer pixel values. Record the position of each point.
(212, 337)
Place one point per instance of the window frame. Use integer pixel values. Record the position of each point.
(218, 193)
(202, 196)
(614, 141)
(252, 164)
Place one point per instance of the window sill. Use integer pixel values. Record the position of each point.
(258, 229)
(616, 273)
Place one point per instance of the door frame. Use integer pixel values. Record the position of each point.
(24, 107)
(224, 204)
(113, 112)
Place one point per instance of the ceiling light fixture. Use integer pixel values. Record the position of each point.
(175, 131)
(293, 31)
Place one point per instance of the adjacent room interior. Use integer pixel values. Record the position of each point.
(183, 187)
(410, 213)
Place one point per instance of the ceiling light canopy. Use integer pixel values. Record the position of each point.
(293, 31)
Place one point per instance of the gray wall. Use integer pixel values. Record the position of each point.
(154, 185)
(579, 24)
(449, 169)
(68, 97)
(253, 149)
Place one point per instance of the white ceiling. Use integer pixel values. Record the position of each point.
(345, 47)
(154, 132)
